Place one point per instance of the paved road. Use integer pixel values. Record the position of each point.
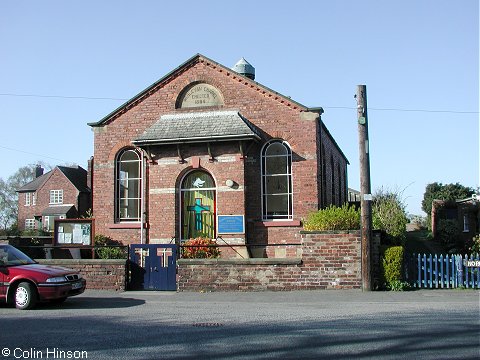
(427, 324)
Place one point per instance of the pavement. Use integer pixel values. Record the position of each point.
(344, 324)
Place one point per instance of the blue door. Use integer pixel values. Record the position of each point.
(153, 267)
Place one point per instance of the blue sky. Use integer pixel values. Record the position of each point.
(82, 59)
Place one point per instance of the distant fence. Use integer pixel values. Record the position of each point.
(443, 271)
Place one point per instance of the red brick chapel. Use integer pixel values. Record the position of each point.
(206, 142)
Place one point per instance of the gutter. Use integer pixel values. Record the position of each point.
(195, 140)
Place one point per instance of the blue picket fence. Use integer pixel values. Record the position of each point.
(443, 271)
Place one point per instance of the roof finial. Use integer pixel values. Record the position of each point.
(243, 67)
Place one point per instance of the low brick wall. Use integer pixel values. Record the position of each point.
(330, 260)
(100, 274)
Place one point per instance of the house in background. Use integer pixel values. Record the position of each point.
(465, 211)
(61, 193)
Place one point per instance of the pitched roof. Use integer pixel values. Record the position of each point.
(190, 62)
(198, 127)
(35, 184)
(57, 210)
(76, 175)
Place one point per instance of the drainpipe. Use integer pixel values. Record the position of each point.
(142, 202)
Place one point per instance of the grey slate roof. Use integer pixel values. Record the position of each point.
(198, 127)
(57, 210)
(77, 176)
(36, 183)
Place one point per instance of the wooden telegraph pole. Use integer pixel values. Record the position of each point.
(365, 187)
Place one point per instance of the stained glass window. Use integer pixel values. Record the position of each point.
(198, 205)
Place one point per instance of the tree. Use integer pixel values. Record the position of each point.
(9, 195)
(447, 193)
(389, 215)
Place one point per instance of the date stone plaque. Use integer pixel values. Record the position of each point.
(201, 95)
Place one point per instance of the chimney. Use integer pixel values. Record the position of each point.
(38, 171)
(243, 67)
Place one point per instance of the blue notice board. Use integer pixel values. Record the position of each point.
(231, 224)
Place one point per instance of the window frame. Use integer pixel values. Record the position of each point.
(56, 197)
(28, 197)
(264, 177)
(466, 223)
(138, 182)
(30, 224)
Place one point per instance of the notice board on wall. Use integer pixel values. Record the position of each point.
(78, 232)
(230, 224)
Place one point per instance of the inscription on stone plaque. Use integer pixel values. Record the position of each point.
(201, 95)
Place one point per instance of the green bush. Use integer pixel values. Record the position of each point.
(392, 267)
(473, 246)
(448, 231)
(333, 218)
(107, 248)
(388, 215)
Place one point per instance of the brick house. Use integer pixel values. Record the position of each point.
(59, 194)
(466, 212)
(206, 142)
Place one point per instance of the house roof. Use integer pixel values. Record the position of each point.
(57, 210)
(35, 184)
(76, 175)
(190, 62)
(198, 127)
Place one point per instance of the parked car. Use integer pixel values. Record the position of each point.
(25, 282)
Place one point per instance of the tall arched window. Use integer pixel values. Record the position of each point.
(128, 186)
(198, 205)
(277, 193)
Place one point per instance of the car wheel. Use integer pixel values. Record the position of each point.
(25, 296)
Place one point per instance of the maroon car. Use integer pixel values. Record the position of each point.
(25, 282)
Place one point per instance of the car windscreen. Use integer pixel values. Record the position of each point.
(12, 256)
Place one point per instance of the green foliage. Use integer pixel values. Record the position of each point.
(200, 248)
(392, 266)
(447, 193)
(35, 232)
(448, 231)
(107, 248)
(9, 196)
(474, 245)
(389, 216)
(88, 214)
(333, 218)
(399, 286)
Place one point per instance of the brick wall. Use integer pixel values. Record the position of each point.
(100, 274)
(330, 260)
(274, 115)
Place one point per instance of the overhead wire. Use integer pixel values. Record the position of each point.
(325, 107)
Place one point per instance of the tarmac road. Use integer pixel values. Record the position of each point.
(425, 324)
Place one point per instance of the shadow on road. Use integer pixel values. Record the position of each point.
(86, 302)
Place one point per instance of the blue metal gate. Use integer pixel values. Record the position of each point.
(153, 267)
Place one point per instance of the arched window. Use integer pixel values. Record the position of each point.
(198, 205)
(277, 194)
(128, 186)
